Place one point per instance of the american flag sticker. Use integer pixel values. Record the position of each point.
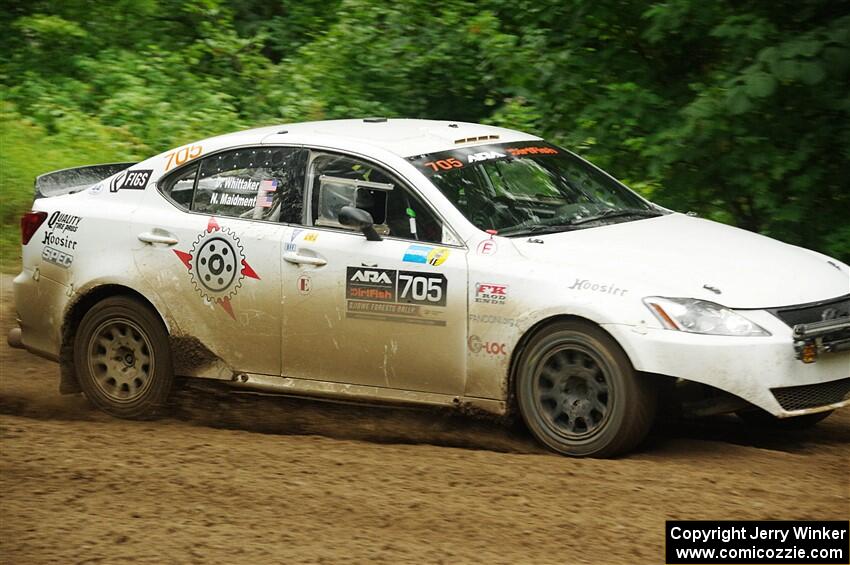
(266, 192)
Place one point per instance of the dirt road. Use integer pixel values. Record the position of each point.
(254, 479)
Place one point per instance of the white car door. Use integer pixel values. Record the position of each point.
(210, 245)
(388, 313)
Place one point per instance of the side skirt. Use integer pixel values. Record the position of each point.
(362, 393)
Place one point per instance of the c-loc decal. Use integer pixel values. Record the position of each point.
(477, 345)
(489, 293)
(217, 265)
(57, 257)
(488, 247)
(304, 284)
(311, 236)
(390, 295)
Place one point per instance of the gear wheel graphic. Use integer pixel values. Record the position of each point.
(216, 268)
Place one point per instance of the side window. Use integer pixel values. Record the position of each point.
(261, 183)
(181, 187)
(339, 181)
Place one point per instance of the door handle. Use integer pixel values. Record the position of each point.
(158, 236)
(303, 259)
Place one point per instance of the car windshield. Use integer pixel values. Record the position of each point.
(530, 187)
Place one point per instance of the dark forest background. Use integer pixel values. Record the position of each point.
(739, 110)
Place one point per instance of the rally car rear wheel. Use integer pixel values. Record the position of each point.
(122, 358)
(578, 393)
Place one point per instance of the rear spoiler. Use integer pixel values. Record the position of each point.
(75, 179)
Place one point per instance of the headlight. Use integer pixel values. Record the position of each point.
(700, 317)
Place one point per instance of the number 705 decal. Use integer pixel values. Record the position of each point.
(422, 289)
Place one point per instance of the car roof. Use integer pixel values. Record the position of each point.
(401, 136)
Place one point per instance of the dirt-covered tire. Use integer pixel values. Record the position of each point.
(759, 418)
(579, 394)
(122, 358)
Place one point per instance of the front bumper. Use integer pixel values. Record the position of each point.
(761, 370)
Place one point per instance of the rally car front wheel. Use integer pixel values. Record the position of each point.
(122, 358)
(578, 393)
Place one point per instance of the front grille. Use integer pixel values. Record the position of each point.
(812, 396)
(814, 312)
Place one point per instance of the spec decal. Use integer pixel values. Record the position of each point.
(182, 155)
(217, 265)
(476, 345)
(585, 284)
(390, 295)
(57, 257)
(489, 293)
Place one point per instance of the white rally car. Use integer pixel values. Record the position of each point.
(422, 262)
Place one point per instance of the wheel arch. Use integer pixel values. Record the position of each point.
(74, 313)
(539, 326)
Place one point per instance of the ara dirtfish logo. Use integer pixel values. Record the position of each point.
(217, 265)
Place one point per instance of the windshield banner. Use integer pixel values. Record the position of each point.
(464, 156)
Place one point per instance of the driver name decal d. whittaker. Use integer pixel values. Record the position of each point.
(217, 265)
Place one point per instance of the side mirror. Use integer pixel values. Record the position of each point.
(359, 219)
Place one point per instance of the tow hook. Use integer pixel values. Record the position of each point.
(811, 340)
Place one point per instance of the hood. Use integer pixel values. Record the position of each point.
(678, 255)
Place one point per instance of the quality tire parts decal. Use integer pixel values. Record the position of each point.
(396, 296)
(217, 265)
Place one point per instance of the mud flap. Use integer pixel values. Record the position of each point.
(68, 380)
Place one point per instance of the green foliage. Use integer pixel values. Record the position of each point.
(737, 110)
